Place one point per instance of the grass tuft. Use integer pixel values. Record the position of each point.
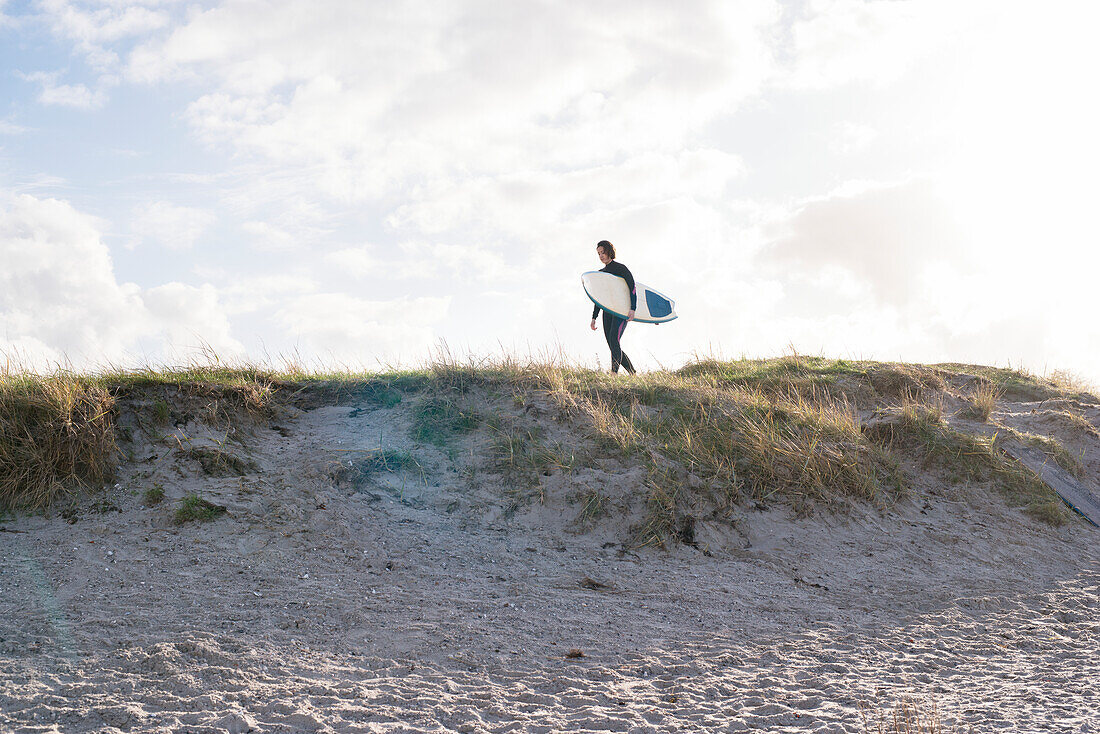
(523, 459)
(154, 495)
(437, 418)
(56, 438)
(195, 508)
(216, 462)
(982, 402)
(356, 471)
(907, 717)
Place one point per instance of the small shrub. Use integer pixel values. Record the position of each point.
(907, 717)
(522, 459)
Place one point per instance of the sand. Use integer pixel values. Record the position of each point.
(415, 601)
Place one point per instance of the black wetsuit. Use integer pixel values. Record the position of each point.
(613, 326)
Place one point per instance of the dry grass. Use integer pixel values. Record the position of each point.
(56, 438)
(738, 438)
(1071, 383)
(711, 434)
(966, 458)
(907, 717)
(522, 458)
(983, 401)
(714, 434)
(354, 469)
(593, 506)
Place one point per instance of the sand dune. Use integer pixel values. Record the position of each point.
(421, 599)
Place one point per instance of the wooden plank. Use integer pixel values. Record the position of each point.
(1075, 494)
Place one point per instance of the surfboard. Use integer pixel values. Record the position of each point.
(610, 293)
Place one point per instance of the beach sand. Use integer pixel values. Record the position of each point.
(420, 601)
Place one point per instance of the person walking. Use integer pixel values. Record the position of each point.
(613, 326)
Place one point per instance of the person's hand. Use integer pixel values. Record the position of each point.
(629, 315)
(593, 325)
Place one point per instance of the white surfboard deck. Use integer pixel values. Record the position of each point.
(610, 293)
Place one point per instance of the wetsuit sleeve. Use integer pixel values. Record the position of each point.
(630, 284)
(595, 312)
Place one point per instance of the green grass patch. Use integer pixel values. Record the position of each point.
(154, 495)
(593, 506)
(773, 371)
(217, 462)
(523, 459)
(194, 508)
(437, 418)
(358, 467)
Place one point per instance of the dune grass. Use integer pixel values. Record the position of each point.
(56, 437)
(967, 458)
(983, 401)
(711, 434)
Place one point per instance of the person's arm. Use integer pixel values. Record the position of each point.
(595, 313)
(633, 292)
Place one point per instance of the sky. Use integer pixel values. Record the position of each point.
(353, 184)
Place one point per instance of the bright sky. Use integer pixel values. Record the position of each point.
(353, 182)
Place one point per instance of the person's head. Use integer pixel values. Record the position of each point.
(606, 251)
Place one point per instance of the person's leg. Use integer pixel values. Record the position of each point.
(623, 359)
(611, 333)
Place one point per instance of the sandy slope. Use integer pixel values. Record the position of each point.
(415, 602)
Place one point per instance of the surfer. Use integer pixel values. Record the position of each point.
(613, 326)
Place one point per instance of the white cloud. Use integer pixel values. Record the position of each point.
(382, 97)
(64, 95)
(173, 226)
(269, 237)
(851, 137)
(452, 263)
(5, 20)
(355, 261)
(192, 318)
(58, 293)
(60, 301)
(356, 330)
(93, 26)
(255, 293)
(10, 128)
(836, 42)
(917, 287)
(97, 22)
(517, 203)
(886, 236)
